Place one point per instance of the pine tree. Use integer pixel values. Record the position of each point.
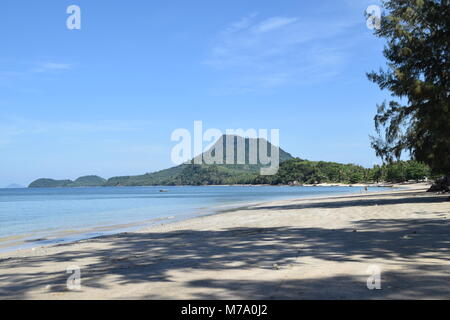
(417, 119)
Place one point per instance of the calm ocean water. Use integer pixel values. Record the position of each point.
(34, 217)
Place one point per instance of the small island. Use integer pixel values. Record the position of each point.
(86, 181)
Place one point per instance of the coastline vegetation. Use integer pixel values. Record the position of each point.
(294, 171)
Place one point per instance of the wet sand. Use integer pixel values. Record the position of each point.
(320, 248)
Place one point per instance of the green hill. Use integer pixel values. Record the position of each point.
(89, 181)
(86, 181)
(207, 174)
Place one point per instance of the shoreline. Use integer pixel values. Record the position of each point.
(62, 237)
(325, 184)
(317, 248)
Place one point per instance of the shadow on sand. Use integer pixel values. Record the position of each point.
(147, 257)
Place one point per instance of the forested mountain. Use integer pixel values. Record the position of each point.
(291, 171)
(206, 174)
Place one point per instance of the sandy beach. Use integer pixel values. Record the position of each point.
(322, 248)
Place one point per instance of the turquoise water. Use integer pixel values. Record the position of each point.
(33, 217)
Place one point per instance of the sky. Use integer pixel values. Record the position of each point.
(105, 99)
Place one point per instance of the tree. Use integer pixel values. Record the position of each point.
(375, 174)
(395, 172)
(416, 171)
(418, 70)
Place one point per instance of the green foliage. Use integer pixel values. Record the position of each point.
(312, 172)
(191, 174)
(405, 171)
(89, 181)
(50, 183)
(291, 171)
(298, 171)
(417, 76)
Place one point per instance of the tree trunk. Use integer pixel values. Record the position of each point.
(441, 185)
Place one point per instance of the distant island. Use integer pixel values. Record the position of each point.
(292, 171)
(86, 181)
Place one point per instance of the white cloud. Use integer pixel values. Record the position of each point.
(276, 51)
(241, 24)
(56, 66)
(51, 66)
(14, 127)
(6, 76)
(273, 23)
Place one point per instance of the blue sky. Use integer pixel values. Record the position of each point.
(105, 99)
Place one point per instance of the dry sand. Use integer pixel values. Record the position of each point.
(297, 249)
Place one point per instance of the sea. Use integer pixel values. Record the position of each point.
(38, 217)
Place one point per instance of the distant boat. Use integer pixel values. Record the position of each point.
(163, 190)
